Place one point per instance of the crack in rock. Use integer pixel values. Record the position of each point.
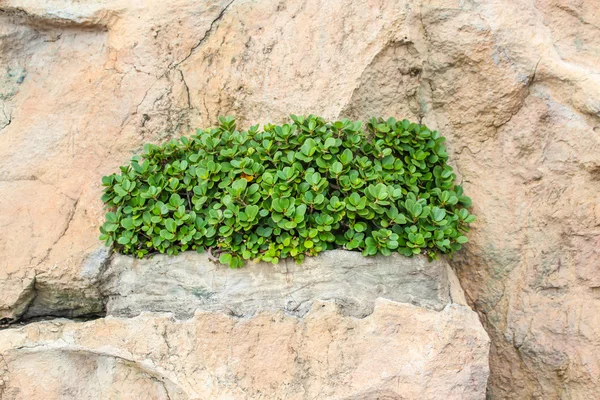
(205, 36)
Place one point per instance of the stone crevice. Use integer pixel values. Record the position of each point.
(8, 121)
(189, 283)
(205, 36)
(187, 89)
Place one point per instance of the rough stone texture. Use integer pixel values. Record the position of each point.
(190, 282)
(400, 351)
(514, 86)
(340, 326)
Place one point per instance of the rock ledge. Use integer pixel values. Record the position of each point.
(339, 326)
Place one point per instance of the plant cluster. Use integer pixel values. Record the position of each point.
(289, 191)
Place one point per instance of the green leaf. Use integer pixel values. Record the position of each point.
(309, 147)
(383, 128)
(264, 231)
(438, 214)
(110, 227)
(470, 219)
(127, 223)
(346, 157)
(360, 227)
(370, 250)
(239, 185)
(225, 258)
(170, 224)
(107, 180)
(416, 209)
(465, 201)
(120, 191)
(336, 168)
(111, 217)
(462, 239)
(252, 212)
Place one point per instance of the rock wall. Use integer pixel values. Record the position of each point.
(398, 352)
(513, 85)
(340, 327)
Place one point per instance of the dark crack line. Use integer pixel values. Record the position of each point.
(187, 89)
(21, 322)
(532, 78)
(530, 82)
(206, 108)
(7, 124)
(137, 108)
(207, 34)
(176, 65)
(8, 117)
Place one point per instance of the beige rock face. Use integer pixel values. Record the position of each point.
(398, 352)
(513, 85)
(340, 327)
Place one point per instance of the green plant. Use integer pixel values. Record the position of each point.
(289, 191)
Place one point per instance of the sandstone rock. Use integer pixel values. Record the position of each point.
(399, 351)
(514, 86)
(190, 282)
(340, 326)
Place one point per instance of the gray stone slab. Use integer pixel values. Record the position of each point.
(190, 282)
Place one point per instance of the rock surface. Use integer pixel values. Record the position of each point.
(340, 327)
(400, 351)
(514, 86)
(190, 282)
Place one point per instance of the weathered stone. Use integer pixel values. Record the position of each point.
(514, 86)
(337, 326)
(190, 282)
(399, 351)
